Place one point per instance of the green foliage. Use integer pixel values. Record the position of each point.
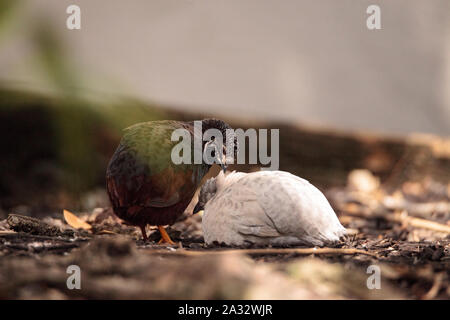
(54, 61)
(7, 10)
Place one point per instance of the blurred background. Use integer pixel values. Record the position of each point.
(343, 96)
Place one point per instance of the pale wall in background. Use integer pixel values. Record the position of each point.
(312, 62)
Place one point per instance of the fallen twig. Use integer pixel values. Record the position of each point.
(269, 251)
(432, 293)
(418, 222)
(403, 218)
(7, 232)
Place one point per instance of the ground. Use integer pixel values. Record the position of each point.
(405, 232)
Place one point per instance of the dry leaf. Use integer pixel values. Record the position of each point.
(75, 222)
(7, 232)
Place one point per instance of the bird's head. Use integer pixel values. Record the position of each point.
(224, 152)
(207, 191)
(215, 186)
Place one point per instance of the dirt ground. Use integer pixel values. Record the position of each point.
(405, 232)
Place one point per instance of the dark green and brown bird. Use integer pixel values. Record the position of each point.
(145, 185)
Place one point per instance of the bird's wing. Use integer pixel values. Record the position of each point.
(297, 208)
(252, 220)
(142, 173)
(240, 204)
(257, 229)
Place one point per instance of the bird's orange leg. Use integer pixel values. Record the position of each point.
(144, 234)
(164, 236)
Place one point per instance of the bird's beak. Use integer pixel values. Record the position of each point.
(198, 207)
(220, 157)
(224, 167)
(222, 160)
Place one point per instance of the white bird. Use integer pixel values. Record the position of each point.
(266, 207)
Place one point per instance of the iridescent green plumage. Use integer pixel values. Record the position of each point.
(152, 145)
(144, 185)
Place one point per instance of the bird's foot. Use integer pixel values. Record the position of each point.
(144, 233)
(164, 236)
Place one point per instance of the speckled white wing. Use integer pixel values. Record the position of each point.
(234, 217)
(270, 207)
(297, 208)
(249, 217)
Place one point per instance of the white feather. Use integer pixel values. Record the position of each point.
(269, 207)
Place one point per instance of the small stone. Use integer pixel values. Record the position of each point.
(195, 246)
(362, 180)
